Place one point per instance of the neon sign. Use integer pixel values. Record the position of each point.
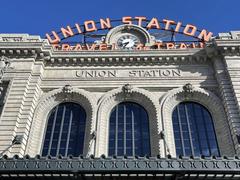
(58, 39)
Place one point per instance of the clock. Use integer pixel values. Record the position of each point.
(128, 41)
(128, 37)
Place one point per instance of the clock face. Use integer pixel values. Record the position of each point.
(128, 41)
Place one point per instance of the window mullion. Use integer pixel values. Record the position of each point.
(140, 120)
(181, 133)
(189, 129)
(69, 132)
(133, 139)
(61, 128)
(197, 129)
(52, 131)
(124, 129)
(116, 132)
(206, 133)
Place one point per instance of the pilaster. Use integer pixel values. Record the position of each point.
(227, 94)
(226, 62)
(20, 103)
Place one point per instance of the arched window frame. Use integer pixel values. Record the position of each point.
(119, 95)
(47, 123)
(51, 99)
(208, 100)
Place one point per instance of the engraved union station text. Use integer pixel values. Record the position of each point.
(138, 73)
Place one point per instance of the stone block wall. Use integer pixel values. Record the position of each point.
(37, 74)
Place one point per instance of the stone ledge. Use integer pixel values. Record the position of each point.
(125, 164)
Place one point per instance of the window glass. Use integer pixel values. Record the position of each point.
(129, 130)
(194, 130)
(65, 130)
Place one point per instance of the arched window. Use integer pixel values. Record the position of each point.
(194, 130)
(129, 130)
(65, 130)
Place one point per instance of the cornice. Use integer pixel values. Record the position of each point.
(231, 48)
(227, 44)
(23, 45)
(123, 59)
(224, 50)
(52, 58)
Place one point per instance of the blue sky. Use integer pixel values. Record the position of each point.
(38, 17)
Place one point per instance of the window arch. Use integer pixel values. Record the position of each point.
(129, 130)
(65, 130)
(194, 130)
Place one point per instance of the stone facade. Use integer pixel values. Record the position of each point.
(35, 78)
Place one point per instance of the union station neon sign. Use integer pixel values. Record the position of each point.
(131, 38)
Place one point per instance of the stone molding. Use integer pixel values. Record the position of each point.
(48, 102)
(204, 97)
(230, 50)
(109, 168)
(127, 93)
(227, 47)
(130, 60)
(108, 58)
(230, 35)
(24, 45)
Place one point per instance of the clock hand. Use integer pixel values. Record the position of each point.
(125, 43)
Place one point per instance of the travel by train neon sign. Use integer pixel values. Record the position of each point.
(101, 29)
